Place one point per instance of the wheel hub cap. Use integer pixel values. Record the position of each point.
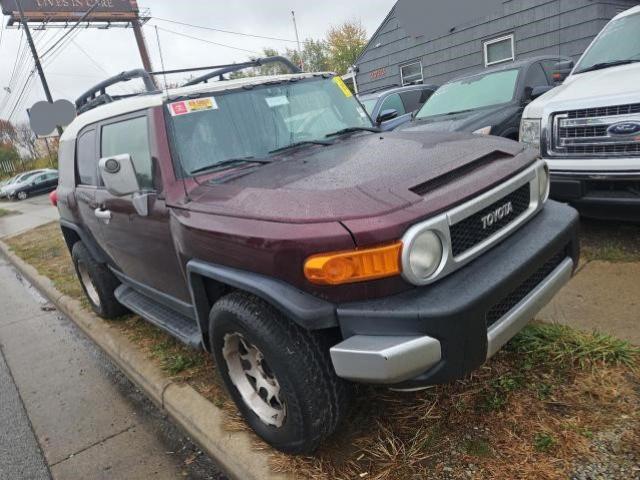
(251, 375)
(92, 292)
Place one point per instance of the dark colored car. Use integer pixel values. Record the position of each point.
(44, 182)
(490, 102)
(259, 219)
(393, 107)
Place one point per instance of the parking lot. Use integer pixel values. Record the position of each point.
(24, 215)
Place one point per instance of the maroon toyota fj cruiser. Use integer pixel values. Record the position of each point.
(265, 220)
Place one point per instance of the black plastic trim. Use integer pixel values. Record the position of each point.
(88, 240)
(306, 310)
(453, 309)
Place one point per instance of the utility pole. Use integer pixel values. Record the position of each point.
(36, 59)
(142, 45)
(295, 27)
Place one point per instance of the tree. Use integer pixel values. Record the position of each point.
(315, 56)
(8, 132)
(345, 42)
(26, 140)
(272, 68)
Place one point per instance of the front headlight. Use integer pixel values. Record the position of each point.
(544, 183)
(530, 132)
(483, 131)
(425, 255)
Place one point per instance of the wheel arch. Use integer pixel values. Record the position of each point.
(209, 282)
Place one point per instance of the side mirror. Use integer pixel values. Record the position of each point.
(387, 115)
(119, 175)
(539, 91)
(562, 71)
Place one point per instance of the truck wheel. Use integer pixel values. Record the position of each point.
(279, 375)
(98, 283)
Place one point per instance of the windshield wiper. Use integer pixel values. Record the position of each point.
(231, 162)
(344, 131)
(603, 65)
(301, 144)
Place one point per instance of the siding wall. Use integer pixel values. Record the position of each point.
(540, 27)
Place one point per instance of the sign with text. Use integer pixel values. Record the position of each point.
(71, 10)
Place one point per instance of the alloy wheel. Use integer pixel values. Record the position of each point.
(256, 382)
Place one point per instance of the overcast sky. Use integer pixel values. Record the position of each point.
(70, 72)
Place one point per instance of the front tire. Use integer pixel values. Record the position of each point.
(279, 375)
(22, 196)
(98, 283)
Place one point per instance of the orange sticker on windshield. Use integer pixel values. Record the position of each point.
(343, 86)
(190, 106)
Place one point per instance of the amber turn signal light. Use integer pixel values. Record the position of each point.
(355, 265)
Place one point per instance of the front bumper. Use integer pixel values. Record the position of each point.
(442, 332)
(609, 195)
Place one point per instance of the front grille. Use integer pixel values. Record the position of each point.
(471, 231)
(632, 149)
(500, 309)
(605, 111)
(585, 133)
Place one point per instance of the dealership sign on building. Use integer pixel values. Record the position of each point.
(71, 10)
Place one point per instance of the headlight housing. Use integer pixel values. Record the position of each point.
(484, 131)
(530, 130)
(425, 255)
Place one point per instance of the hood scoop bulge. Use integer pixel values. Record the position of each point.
(481, 162)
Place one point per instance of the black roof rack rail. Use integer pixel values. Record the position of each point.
(97, 95)
(258, 62)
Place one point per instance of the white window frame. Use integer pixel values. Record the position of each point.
(493, 41)
(418, 62)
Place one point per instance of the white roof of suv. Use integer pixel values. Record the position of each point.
(149, 100)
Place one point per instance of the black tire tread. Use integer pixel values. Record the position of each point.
(104, 281)
(326, 396)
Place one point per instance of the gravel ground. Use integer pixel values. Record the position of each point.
(614, 457)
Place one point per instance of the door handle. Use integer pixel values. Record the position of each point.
(103, 215)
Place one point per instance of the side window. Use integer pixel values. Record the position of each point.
(87, 159)
(549, 66)
(394, 102)
(411, 100)
(536, 76)
(132, 137)
(424, 96)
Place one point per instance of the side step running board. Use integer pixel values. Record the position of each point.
(183, 328)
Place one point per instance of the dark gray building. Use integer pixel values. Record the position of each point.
(518, 29)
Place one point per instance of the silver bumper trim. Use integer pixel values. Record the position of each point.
(518, 317)
(384, 359)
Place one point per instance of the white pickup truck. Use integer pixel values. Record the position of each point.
(588, 129)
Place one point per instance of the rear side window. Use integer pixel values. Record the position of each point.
(411, 100)
(86, 158)
(132, 137)
(393, 102)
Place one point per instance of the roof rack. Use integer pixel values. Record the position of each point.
(258, 62)
(98, 95)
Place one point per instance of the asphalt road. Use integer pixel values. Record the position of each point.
(66, 412)
(30, 213)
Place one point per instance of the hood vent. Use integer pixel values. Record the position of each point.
(448, 177)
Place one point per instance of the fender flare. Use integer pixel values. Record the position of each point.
(309, 312)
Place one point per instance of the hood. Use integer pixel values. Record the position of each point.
(463, 122)
(610, 86)
(365, 175)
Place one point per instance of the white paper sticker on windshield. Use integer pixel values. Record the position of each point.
(191, 106)
(277, 101)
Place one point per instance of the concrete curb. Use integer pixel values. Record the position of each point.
(199, 419)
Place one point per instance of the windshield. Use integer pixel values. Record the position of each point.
(471, 93)
(369, 104)
(252, 123)
(618, 42)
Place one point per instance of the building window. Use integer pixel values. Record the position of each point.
(499, 50)
(411, 73)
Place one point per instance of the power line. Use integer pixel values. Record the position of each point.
(225, 31)
(86, 54)
(208, 41)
